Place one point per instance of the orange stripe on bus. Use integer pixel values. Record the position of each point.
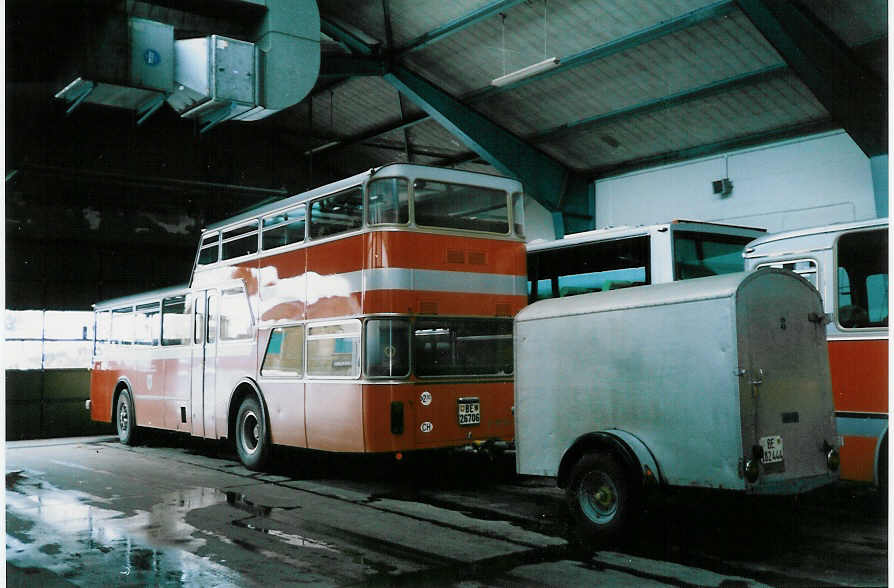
(859, 375)
(444, 252)
(858, 458)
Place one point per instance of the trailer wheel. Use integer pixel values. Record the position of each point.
(601, 498)
(252, 437)
(126, 419)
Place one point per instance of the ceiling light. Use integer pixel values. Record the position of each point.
(525, 72)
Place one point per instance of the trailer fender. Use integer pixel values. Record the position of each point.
(648, 465)
(620, 444)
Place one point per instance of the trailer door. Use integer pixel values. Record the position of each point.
(785, 387)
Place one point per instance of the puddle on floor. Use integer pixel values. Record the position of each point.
(80, 537)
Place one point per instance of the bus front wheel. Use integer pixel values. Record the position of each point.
(601, 499)
(126, 419)
(252, 437)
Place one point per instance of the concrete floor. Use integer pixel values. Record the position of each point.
(175, 511)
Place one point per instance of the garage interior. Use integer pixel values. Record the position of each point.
(108, 185)
(765, 113)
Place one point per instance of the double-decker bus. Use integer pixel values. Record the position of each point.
(373, 314)
(622, 257)
(848, 264)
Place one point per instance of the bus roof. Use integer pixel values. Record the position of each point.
(141, 297)
(630, 231)
(810, 231)
(410, 170)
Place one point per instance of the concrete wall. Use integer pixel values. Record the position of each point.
(810, 181)
(49, 403)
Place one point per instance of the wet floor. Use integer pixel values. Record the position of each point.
(181, 512)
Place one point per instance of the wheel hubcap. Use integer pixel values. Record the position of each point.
(122, 417)
(251, 432)
(598, 497)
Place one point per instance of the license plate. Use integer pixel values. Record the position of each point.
(468, 411)
(772, 447)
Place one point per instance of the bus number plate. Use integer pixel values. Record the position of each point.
(468, 411)
(772, 447)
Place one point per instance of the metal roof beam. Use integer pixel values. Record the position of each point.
(456, 25)
(855, 97)
(661, 29)
(355, 40)
(552, 184)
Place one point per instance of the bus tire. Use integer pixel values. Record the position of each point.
(252, 436)
(601, 499)
(126, 419)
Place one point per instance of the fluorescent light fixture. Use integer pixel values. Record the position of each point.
(526, 72)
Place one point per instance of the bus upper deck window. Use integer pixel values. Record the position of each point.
(283, 228)
(239, 241)
(335, 214)
(388, 201)
(209, 251)
(457, 206)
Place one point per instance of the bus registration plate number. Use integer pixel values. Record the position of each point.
(468, 411)
(772, 449)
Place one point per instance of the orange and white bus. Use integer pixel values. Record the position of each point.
(373, 314)
(848, 263)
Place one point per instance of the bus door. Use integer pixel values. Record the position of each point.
(204, 363)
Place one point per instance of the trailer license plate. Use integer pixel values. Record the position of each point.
(772, 447)
(468, 411)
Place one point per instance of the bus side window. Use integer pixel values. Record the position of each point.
(335, 214)
(285, 352)
(122, 325)
(103, 330)
(235, 315)
(146, 325)
(174, 321)
(806, 268)
(334, 349)
(862, 284)
(589, 267)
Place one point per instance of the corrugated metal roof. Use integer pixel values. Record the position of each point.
(613, 104)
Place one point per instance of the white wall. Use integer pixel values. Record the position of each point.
(804, 182)
(538, 221)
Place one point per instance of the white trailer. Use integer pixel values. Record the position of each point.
(718, 382)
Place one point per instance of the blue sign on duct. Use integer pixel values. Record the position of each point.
(151, 57)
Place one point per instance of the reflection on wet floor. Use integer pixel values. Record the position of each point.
(83, 538)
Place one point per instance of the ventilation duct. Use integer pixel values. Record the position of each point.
(130, 62)
(216, 79)
(126, 63)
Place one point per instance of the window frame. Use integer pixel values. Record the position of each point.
(245, 235)
(356, 361)
(309, 236)
(281, 374)
(834, 270)
(507, 204)
(284, 223)
(364, 347)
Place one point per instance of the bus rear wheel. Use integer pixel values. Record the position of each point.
(126, 419)
(252, 436)
(601, 499)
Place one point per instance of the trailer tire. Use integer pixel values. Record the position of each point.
(125, 419)
(601, 499)
(252, 435)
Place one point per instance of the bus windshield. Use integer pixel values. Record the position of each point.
(697, 255)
